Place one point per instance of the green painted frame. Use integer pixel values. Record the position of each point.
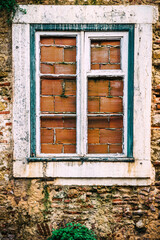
(82, 27)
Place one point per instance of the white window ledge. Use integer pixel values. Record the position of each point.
(138, 172)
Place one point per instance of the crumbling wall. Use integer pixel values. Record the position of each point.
(31, 207)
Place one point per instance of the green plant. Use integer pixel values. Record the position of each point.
(10, 7)
(73, 231)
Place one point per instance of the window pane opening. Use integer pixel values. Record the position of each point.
(58, 113)
(105, 115)
(58, 55)
(105, 54)
(58, 134)
(58, 95)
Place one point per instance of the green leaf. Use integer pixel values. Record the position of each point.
(73, 231)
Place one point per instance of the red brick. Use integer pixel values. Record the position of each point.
(116, 88)
(93, 136)
(158, 106)
(54, 122)
(47, 40)
(93, 104)
(118, 201)
(98, 122)
(65, 41)
(51, 122)
(51, 86)
(3, 141)
(63, 104)
(70, 148)
(105, 42)
(157, 41)
(114, 55)
(115, 148)
(65, 136)
(9, 124)
(47, 68)
(6, 98)
(70, 55)
(4, 112)
(5, 84)
(111, 105)
(65, 69)
(97, 87)
(51, 148)
(69, 122)
(97, 148)
(110, 66)
(47, 136)
(116, 122)
(70, 87)
(157, 87)
(57, 200)
(51, 54)
(47, 104)
(110, 136)
(111, 42)
(99, 55)
(95, 66)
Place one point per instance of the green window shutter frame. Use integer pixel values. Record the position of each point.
(82, 27)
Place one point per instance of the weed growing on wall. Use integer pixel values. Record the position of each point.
(73, 231)
(46, 201)
(10, 7)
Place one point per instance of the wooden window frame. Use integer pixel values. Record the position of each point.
(123, 72)
(38, 75)
(83, 34)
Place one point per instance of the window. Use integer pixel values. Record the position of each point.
(102, 97)
(81, 97)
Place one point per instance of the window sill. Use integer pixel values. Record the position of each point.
(106, 172)
(81, 159)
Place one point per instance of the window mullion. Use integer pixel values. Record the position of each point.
(57, 114)
(57, 75)
(124, 60)
(83, 97)
(78, 95)
(37, 93)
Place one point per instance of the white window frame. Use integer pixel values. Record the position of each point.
(139, 172)
(123, 72)
(83, 71)
(38, 75)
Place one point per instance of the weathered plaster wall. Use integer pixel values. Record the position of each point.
(29, 208)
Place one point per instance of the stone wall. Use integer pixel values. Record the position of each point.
(30, 208)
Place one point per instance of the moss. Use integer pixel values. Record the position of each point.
(38, 1)
(109, 88)
(3, 74)
(2, 106)
(5, 92)
(29, 185)
(46, 201)
(63, 91)
(93, 2)
(10, 7)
